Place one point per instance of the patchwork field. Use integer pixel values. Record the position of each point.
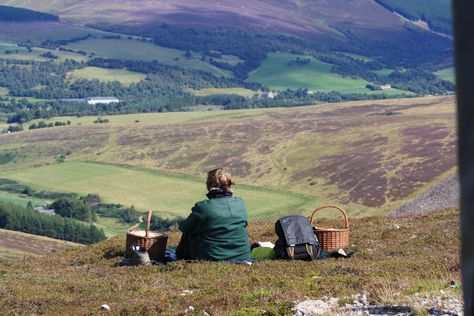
(278, 74)
(371, 156)
(16, 245)
(134, 49)
(166, 194)
(90, 73)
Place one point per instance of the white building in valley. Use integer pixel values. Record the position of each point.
(102, 100)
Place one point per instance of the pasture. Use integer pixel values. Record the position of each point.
(21, 53)
(134, 49)
(168, 195)
(90, 73)
(20, 199)
(213, 91)
(446, 74)
(278, 74)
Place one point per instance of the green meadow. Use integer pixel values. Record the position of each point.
(446, 74)
(19, 199)
(316, 76)
(213, 91)
(90, 73)
(134, 49)
(167, 195)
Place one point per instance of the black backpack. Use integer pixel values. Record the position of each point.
(296, 239)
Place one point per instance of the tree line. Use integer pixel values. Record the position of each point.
(14, 14)
(24, 219)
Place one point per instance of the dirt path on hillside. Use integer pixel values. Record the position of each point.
(444, 194)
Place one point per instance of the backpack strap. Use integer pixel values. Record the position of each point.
(290, 250)
(309, 250)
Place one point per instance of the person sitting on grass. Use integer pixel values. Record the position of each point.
(216, 229)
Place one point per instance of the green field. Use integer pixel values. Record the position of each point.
(123, 76)
(21, 53)
(112, 226)
(317, 76)
(213, 91)
(134, 49)
(383, 72)
(19, 199)
(168, 195)
(446, 74)
(4, 91)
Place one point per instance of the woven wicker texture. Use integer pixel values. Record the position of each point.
(331, 238)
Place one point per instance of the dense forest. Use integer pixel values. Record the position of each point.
(437, 13)
(24, 219)
(13, 14)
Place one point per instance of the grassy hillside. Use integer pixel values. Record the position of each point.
(168, 195)
(134, 49)
(408, 265)
(317, 18)
(20, 200)
(15, 245)
(213, 91)
(446, 74)
(371, 156)
(123, 76)
(276, 73)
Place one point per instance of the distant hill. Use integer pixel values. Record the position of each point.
(12, 14)
(308, 18)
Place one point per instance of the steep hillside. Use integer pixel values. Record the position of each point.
(372, 156)
(397, 261)
(317, 17)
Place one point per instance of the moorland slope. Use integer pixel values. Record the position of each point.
(372, 156)
(297, 17)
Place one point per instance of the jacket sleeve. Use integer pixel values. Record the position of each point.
(190, 223)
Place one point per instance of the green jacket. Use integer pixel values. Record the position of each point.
(216, 230)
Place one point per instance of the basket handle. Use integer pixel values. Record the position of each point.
(148, 221)
(346, 218)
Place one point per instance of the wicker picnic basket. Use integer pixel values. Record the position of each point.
(331, 238)
(154, 243)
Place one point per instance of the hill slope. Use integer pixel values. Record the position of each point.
(317, 17)
(372, 156)
(16, 245)
(397, 261)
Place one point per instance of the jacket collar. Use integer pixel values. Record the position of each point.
(215, 193)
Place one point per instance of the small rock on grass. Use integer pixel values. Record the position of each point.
(105, 307)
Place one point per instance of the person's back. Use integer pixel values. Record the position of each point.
(216, 228)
